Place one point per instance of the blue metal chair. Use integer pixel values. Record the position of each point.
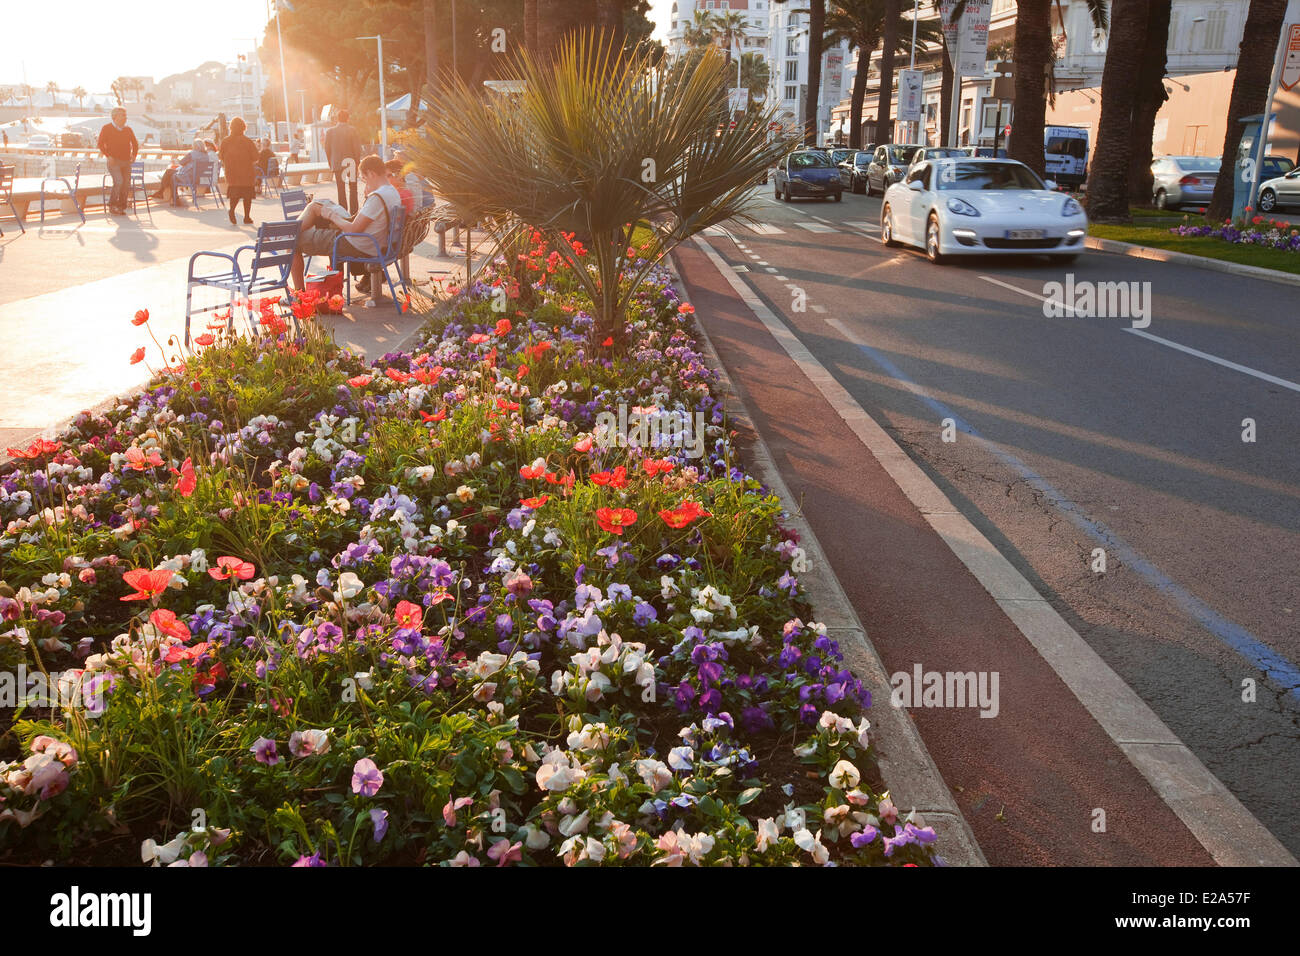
(266, 272)
(70, 192)
(214, 182)
(271, 179)
(137, 185)
(293, 202)
(390, 255)
(7, 194)
(192, 177)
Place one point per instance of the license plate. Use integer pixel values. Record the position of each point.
(1026, 234)
(812, 187)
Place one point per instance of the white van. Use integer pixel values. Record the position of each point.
(1065, 154)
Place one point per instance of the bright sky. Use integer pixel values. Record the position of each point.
(661, 14)
(89, 42)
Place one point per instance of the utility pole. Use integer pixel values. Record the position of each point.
(383, 99)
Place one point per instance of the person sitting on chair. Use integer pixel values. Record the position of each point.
(321, 224)
(187, 170)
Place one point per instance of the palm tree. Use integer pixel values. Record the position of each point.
(755, 73)
(53, 89)
(1151, 96)
(599, 142)
(729, 27)
(558, 19)
(81, 94)
(1249, 86)
(149, 98)
(861, 22)
(702, 28)
(1108, 177)
(884, 103)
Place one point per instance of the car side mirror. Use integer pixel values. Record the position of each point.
(915, 185)
(1050, 183)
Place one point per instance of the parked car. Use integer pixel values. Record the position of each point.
(72, 140)
(853, 171)
(807, 172)
(1184, 180)
(985, 152)
(981, 206)
(1275, 166)
(839, 154)
(1065, 154)
(1280, 190)
(935, 152)
(888, 166)
(40, 141)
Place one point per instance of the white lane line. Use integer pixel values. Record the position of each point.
(864, 226)
(1273, 379)
(782, 278)
(766, 229)
(819, 309)
(761, 262)
(1229, 832)
(815, 227)
(715, 231)
(1235, 366)
(773, 269)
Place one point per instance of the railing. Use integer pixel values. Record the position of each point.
(37, 161)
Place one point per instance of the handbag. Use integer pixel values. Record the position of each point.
(326, 285)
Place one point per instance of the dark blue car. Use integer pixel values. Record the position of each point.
(807, 172)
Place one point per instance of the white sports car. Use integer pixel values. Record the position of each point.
(981, 206)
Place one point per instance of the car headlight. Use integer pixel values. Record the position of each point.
(961, 207)
(1071, 208)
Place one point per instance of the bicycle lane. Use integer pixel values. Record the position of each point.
(1028, 780)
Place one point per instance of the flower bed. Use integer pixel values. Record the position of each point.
(292, 609)
(1251, 231)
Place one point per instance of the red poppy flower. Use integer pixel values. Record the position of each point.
(535, 502)
(439, 595)
(657, 466)
(521, 372)
(137, 356)
(503, 327)
(229, 567)
(614, 479)
(583, 444)
(529, 472)
(478, 338)
(608, 341)
(188, 482)
(401, 378)
(148, 584)
(683, 514)
(336, 303)
(206, 339)
(168, 623)
(439, 416)
(141, 317)
(490, 360)
(360, 381)
(37, 448)
(540, 349)
(686, 309)
(429, 376)
(614, 520)
(506, 405)
(409, 615)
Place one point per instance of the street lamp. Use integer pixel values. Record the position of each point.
(383, 100)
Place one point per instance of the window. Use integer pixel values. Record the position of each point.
(791, 46)
(1214, 24)
(792, 69)
(1173, 32)
(792, 92)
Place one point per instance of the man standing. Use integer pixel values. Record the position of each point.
(118, 144)
(343, 151)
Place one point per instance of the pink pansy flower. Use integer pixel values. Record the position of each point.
(366, 777)
(306, 743)
(454, 804)
(505, 852)
(264, 750)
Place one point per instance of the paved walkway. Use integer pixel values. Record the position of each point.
(70, 291)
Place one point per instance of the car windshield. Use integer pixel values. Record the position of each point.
(809, 160)
(988, 176)
(839, 155)
(1067, 146)
(861, 159)
(1199, 164)
(1277, 166)
(902, 155)
(943, 152)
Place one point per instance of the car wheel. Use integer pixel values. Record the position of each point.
(858, 187)
(786, 197)
(776, 190)
(1267, 200)
(1162, 199)
(1065, 260)
(839, 195)
(887, 228)
(932, 240)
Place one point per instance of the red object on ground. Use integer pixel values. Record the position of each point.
(326, 285)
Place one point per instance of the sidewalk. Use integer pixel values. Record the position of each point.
(70, 291)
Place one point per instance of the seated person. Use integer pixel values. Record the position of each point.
(394, 167)
(323, 222)
(267, 164)
(185, 169)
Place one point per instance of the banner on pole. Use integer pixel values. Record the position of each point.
(910, 97)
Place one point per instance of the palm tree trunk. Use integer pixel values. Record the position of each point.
(1249, 88)
(609, 21)
(859, 96)
(431, 47)
(1150, 97)
(557, 19)
(885, 102)
(1108, 177)
(1033, 59)
(530, 26)
(945, 94)
(816, 27)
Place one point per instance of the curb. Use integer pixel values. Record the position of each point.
(1187, 259)
(905, 764)
(58, 428)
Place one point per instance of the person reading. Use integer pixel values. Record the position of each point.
(323, 220)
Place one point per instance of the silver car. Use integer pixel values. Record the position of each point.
(1184, 180)
(1279, 190)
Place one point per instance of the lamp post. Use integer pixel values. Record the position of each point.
(383, 99)
(284, 79)
(914, 129)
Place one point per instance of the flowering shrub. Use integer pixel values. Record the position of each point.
(413, 613)
(1249, 229)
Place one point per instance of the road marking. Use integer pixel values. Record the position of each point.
(741, 268)
(1236, 367)
(1273, 379)
(819, 309)
(766, 229)
(782, 278)
(815, 227)
(772, 269)
(715, 231)
(864, 226)
(1212, 814)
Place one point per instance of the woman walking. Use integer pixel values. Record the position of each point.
(239, 157)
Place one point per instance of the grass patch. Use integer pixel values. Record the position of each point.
(1159, 237)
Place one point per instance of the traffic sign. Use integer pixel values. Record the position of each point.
(1291, 64)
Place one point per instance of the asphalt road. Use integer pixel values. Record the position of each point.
(1074, 433)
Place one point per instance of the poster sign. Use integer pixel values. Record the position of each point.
(910, 83)
(968, 38)
(1291, 63)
